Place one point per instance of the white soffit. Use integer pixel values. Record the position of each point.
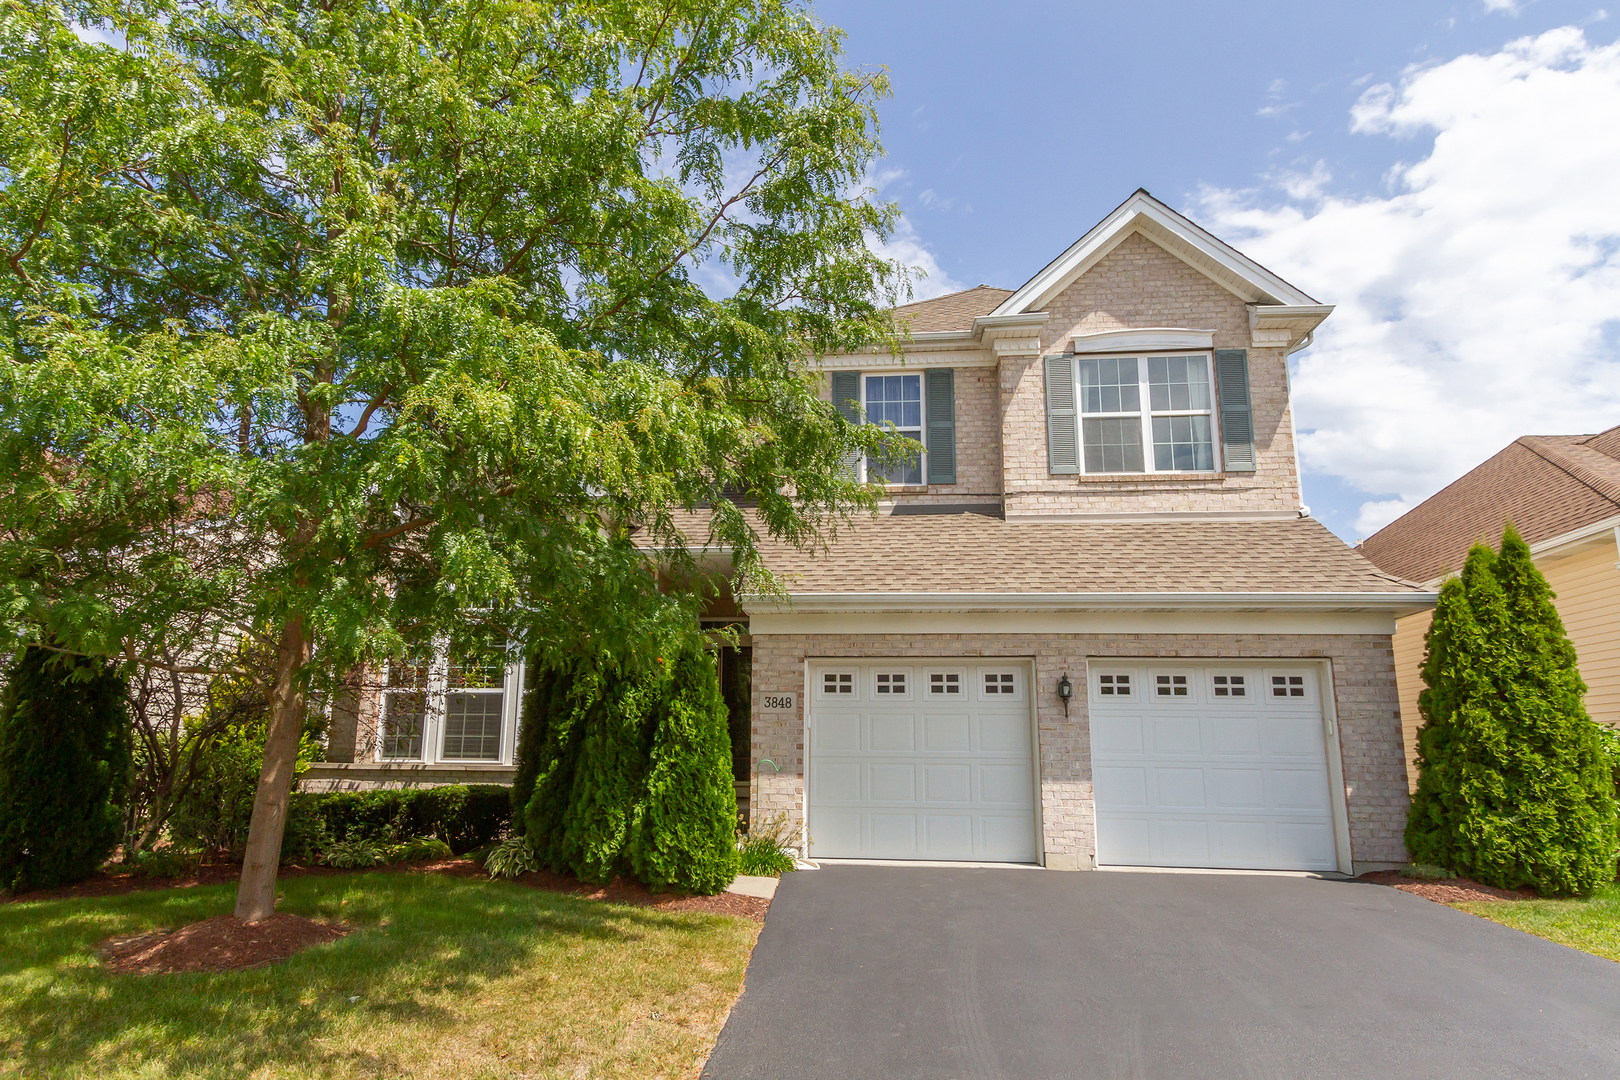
(1142, 213)
(1152, 339)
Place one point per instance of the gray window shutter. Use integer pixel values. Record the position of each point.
(846, 398)
(1062, 425)
(940, 394)
(1237, 417)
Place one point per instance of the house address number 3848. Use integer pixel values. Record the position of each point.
(776, 702)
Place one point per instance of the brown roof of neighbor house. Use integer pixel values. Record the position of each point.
(953, 311)
(1546, 485)
(976, 553)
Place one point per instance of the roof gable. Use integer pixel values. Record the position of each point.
(1142, 213)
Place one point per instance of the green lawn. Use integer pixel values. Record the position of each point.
(1592, 925)
(454, 977)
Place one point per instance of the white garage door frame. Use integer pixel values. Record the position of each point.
(1338, 803)
(1026, 663)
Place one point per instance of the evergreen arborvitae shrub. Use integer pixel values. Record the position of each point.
(573, 695)
(686, 835)
(532, 733)
(64, 768)
(1516, 783)
(609, 779)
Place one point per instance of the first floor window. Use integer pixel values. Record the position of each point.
(1146, 414)
(459, 700)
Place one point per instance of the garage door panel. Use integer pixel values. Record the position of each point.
(894, 836)
(908, 770)
(1123, 840)
(837, 731)
(1294, 736)
(838, 782)
(1005, 734)
(893, 733)
(1006, 785)
(1234, 735)
(1239, 789)
(1221, 780)
(948, 783)
(1116, 734)
(1177, 735)
(1299, 789)
(1185, 841)
(1178, 788)
(946, 733)
(948, 836)
(892, 783)
(1120, 787)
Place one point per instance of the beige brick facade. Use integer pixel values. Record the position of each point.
(1139, 285)
(1364, 698)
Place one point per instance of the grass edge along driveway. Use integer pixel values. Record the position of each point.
(1591, 925)
(452, 977)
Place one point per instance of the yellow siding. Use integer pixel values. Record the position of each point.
(1588, 588)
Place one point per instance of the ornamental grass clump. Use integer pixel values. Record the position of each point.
(1516, 783)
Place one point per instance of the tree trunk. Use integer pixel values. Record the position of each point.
(256, 895)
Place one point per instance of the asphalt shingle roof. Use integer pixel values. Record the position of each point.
(975, 553)
(954, 311)
(1547, 485)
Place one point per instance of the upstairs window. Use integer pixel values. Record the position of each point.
(1146, 414)
(897, 400)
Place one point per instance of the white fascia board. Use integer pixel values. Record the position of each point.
(1168, 229)
(1149, 339)
(807, 603)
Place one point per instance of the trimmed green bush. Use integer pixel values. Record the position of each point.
(463, 816)
(1516, 783)
(64, 768)
(687, 825)
(632, 773)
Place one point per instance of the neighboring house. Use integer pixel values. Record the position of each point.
(1108, 501)
(1562, 492)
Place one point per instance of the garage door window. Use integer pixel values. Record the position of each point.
(838, 682)
(1114, 685)
(1170, 685)
(1287, 686)
(944, 682)
(1230, 686)
(891, 683)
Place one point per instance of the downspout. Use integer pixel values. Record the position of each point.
(1293, 427)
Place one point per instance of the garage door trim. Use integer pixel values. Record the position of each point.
(1337, 799)
(1032, 718)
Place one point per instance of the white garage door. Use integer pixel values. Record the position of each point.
(914, 760)
(1210, 765)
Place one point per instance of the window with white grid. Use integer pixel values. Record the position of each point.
(457, 702)
(945, 683)
(1146, 414)
(1114, 684)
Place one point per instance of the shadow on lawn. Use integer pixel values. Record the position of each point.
(420, 939)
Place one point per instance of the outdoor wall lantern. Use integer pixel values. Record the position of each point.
(1065, 690)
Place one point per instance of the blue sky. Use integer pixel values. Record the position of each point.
(1440, 171)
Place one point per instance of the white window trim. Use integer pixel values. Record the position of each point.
(922, 429)
(1145, 414)
(434, 714)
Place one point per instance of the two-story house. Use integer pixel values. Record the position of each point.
(1094, 623)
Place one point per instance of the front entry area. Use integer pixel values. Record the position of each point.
(1211, 765)
(929, 760)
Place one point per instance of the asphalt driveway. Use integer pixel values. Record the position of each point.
(898, 972)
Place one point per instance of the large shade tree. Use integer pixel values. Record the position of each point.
(336, 326)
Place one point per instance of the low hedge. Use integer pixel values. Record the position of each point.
(465, 816)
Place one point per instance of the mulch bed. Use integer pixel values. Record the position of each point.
(619, 891)
(223, 943)
(1454, 891)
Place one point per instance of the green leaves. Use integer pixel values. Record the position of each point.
(1517, 783)
(387, 315)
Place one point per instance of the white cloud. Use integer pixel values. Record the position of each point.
(906, 247)
(1512, 7)
(1479, 299)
